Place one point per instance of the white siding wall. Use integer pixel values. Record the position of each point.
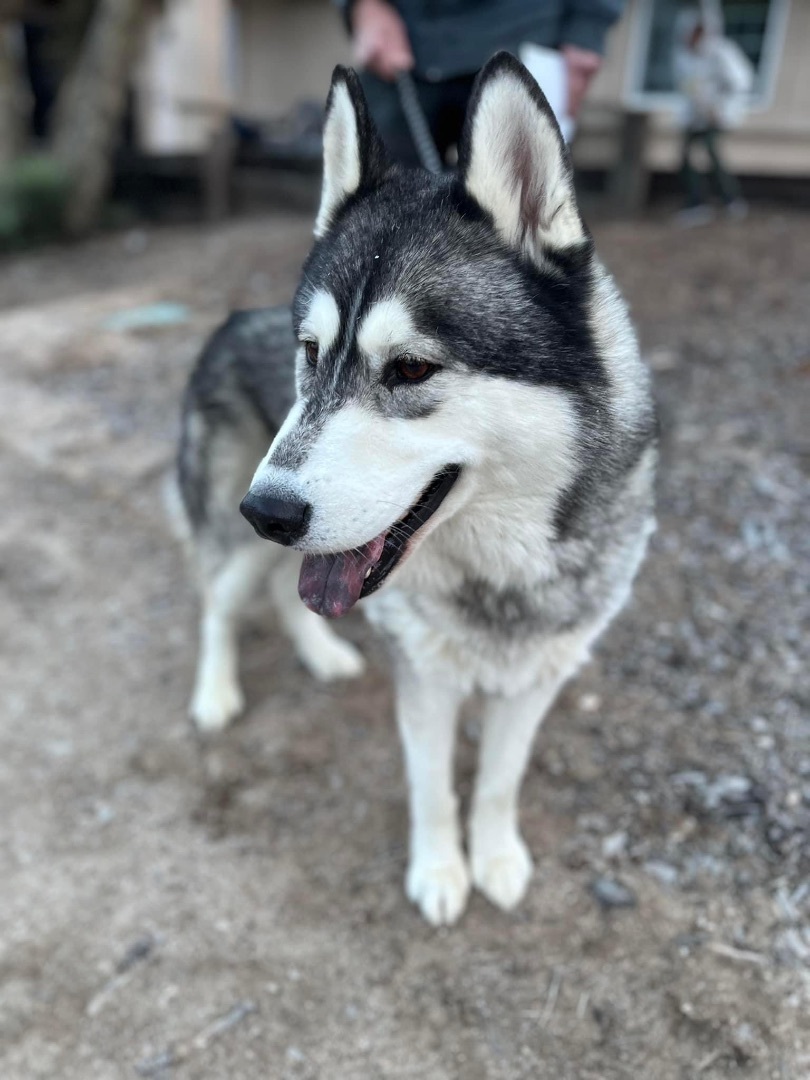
(288, 49)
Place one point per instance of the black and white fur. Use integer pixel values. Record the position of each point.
(536, 393)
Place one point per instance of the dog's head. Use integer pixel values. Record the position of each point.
(441, 337)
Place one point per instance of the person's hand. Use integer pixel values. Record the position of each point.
(581, 66)
(380, 39)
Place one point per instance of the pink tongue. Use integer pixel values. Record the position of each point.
(331, 584)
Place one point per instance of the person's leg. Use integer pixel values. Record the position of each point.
(690, 177)
(443, 103)
(40, 77)
(695, 210)
(727, 185)
(386, 112)
(449, 110)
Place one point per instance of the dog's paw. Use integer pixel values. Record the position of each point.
(502, 871)
(439, 889)
(214, 710)
(333, 658)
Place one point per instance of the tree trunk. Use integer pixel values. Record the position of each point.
(90, 107)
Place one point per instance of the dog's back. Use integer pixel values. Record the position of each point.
(236, 400)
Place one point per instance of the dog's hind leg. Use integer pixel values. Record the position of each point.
(499, 859)
(222, 440)
(225, 594)
(320, 650)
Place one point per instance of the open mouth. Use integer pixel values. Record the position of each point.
(331, 585)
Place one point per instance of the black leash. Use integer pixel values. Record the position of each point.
(417, 123)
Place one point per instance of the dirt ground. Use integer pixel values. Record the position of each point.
(234, 909)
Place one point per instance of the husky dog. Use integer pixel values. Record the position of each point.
(466, 444)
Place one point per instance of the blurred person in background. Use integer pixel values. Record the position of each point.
(443, 43)
(716, 78)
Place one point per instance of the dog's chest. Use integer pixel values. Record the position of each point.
(481, 634)
(503, 614)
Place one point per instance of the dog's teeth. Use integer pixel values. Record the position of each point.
(368, 572)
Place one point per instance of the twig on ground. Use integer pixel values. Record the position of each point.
(709, 1060)
(551, 1000)
(741, 956)
(140, 950)
(202, 1040)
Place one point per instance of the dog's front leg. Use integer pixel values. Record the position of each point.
(500, 861)
(437, 880)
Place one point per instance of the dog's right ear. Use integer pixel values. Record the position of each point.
(514, 163)
(354, 158)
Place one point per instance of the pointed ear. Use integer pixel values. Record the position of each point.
(514, 163)
(353, 154)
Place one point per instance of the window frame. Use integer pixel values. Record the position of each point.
(640, 100)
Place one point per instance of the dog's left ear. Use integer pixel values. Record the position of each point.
(353, 155)
(514, 163)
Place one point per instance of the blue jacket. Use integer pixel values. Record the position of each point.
(456, 37)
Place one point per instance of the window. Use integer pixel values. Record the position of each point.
(757, 26)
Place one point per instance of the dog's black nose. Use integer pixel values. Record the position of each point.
(282, 520)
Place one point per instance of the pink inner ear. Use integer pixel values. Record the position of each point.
(518, 170)
(530, 184)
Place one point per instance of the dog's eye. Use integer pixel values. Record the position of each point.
(311, 350)
(411, 369)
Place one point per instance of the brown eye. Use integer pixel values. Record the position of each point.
(311, 350)
(409, 369)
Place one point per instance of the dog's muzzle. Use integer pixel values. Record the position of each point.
(284, 521)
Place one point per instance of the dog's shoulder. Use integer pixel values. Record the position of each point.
(248, 362)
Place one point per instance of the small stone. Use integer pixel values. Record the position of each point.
(590, 703)
(614, 845)
(690, 778)
(595, 823)
(728, 788)
(685, 828)
(612, 894)
(744, 1040)
(662, 871)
